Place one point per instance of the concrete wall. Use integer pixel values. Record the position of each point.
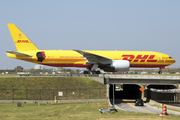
(98, 79)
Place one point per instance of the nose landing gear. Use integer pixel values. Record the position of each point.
(160, 71)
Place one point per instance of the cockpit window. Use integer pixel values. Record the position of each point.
(170, 58)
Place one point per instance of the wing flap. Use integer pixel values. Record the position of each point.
(93, 58)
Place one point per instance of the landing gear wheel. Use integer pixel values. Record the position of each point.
(98, 72)
(95, 72)
(160, 72)
(86, 72)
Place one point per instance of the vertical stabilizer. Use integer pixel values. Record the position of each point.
(21, 42)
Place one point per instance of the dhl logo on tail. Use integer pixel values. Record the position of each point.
(22, 41)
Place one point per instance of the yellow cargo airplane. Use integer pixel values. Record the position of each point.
(110, 61)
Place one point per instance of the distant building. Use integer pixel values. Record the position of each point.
(38, 67)
(8, 72)
(18, 68)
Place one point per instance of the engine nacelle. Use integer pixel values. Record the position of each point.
(120, 65)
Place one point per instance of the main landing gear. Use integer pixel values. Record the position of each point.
(92, 72)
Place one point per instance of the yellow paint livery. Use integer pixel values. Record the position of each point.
(106, 60)
(21, 41)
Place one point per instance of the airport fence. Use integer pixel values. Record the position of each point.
(49, 94)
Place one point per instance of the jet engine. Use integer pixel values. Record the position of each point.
(120, 65)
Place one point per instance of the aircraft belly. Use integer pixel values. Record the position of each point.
(66, 65)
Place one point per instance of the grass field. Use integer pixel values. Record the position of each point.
(47, 82)
(45, 88)
(73, 111)
(9, 75)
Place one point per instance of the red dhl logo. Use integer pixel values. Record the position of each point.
(139, 58)
(23, 41)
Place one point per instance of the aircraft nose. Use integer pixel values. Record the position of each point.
(171, 61)
(174, 60)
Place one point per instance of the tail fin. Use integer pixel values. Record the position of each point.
(21, 42)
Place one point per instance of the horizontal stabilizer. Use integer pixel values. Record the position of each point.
(18, 53)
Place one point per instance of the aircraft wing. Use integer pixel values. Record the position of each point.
(93, 58)
(18, 53)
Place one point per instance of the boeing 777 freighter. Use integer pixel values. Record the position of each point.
(109, 61)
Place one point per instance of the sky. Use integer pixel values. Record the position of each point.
(125, 25)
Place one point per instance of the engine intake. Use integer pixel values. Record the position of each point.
(120, 65)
